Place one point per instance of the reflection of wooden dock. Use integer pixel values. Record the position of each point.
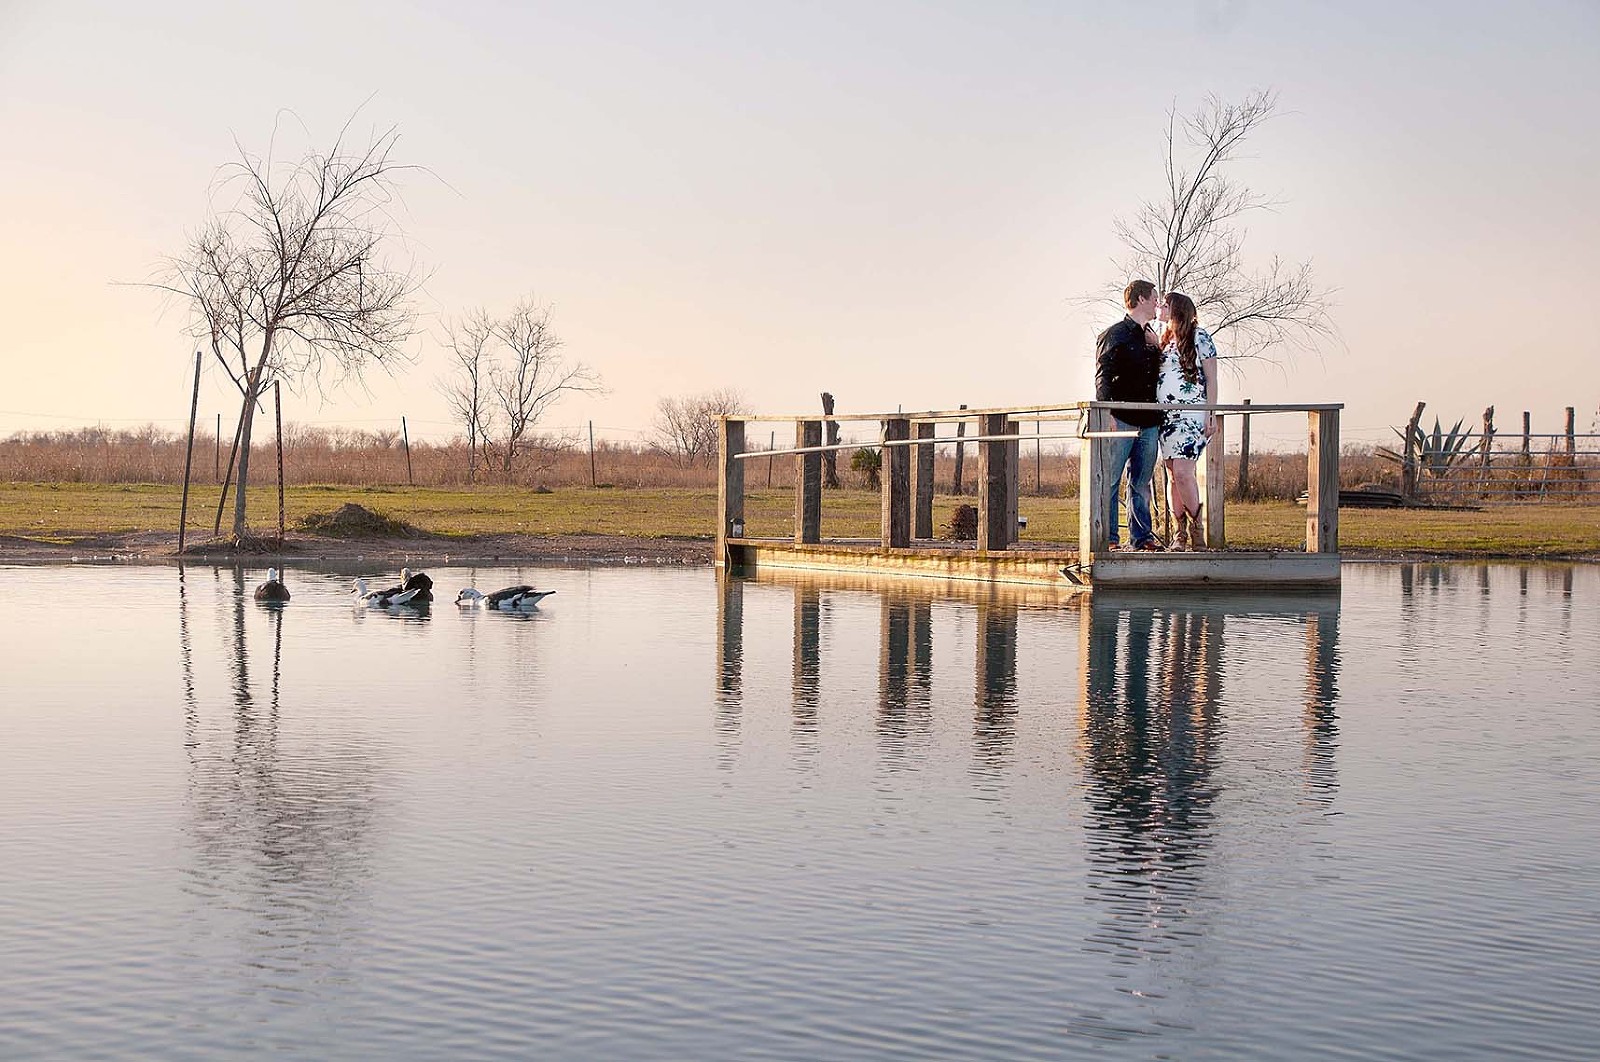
(906, 546)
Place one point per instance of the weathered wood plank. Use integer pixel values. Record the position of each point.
(922, 484)
(992, 531)
(808, 484)
(1213, 477)
(1322, 478)
(1094, 488)
(730, 484)
(1013, 483)
(895, 482)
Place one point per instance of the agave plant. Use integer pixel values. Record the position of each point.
(1435, 452)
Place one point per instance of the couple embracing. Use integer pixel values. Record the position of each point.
(1175, 363)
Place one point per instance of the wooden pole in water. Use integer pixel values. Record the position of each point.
(405, 438)
(277, 409)
(188, 455)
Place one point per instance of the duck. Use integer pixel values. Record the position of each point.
(507, 600)
(395, 595)
(418, 581)
(273, 589)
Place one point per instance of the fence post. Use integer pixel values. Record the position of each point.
(1213, 484)
(594, 479)
(405, 439)
(1241, 490)
(1093, 497)
(922, 484)
(1485, 457)
(730, 485)
(830, 462)
(1013, 482)
(772, 444)
(895, 517)
(1038, 459)
(1408, 467)
(277, 410)
(1572, 447)
(1322, 482)
(188, 454)
(961, 450)
(808, 484)
(994, 485)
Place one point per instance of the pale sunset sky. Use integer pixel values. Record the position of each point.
(898, 202)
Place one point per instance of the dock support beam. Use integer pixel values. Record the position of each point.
(730, 485)
(895, 521)
(994, 486)
(1322, 482)
(922, 484)
(1213, 483)
(808, 484)
(1094, 486)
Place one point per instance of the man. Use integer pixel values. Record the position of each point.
(1127, 364)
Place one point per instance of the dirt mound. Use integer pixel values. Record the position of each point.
(355, 521)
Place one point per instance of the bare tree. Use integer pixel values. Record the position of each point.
(686, 427)
(468, 390)
(1191, 239)
(290, 280)
(534, 377)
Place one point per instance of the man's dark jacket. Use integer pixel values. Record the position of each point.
(1126, 367)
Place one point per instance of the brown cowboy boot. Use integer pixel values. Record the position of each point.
(1197, 522)
(1180, 541)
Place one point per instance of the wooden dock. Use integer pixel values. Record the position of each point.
(906, 547)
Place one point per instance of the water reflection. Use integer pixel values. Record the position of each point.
(281, 817)
(905, 679)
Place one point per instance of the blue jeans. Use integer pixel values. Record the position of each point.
(1139, 456)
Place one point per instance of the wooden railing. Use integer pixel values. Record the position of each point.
(907, 442)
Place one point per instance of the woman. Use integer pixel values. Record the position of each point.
(1188, 376)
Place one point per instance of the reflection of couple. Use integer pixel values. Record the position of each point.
(1177, 366)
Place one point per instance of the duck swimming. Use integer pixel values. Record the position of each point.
(381, 598)
(418, 581)
(507, 600)
(273, 589)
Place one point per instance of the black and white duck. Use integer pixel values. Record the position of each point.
(273, 589)
(509, 599)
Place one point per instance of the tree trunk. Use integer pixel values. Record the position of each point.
(247, 418)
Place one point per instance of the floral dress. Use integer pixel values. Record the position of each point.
(1183, 434)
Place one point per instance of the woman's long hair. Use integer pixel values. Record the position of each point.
(1181, 323)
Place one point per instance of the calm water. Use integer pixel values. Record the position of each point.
(665, 818)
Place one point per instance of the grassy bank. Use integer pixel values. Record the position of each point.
(68, 512)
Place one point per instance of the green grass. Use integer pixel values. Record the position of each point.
(68, 512)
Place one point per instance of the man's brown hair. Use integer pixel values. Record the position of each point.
(1136, 292)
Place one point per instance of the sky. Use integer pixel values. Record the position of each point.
(902, 203)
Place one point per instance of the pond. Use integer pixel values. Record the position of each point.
(676, 816)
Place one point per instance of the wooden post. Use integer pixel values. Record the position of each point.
(1213, 482)
(277, 410)
(1322, 478)
(1038, 458)
(1242, 487)
(730, 485)
(895, 518)
(1013, 482)
(961, 450)
(216, 464)
(405, 437)
(1572, 441)
(772, 444)
(1408, 467)
(922, 484)
(188, 454)
(830, 463)
(993, 485)
(594, 478)
(808, 484)
(1485, 449)
(1094, 487)
(238, 430)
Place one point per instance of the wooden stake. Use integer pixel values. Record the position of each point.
(593, 479)
(405, 437)
(961, 429)
(233, 452)
(277, 409)
(216, 463)
(188, 455)
(1241, 490)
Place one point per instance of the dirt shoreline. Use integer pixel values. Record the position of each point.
(156, 547)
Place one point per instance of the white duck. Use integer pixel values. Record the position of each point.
(381, 598)
(511, 599)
